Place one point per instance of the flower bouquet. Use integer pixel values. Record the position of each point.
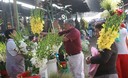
(2, 51)
(1, 21)
(36, 21)
(110, 29)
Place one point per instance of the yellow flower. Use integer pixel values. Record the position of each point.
(107, 38)
(36, 25)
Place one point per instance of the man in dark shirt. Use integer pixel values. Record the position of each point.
(72, 44)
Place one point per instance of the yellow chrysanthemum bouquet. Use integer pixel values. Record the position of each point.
(110, 29)
(36, 21)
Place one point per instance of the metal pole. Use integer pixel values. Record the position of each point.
(10, 8)
(16, 17)
(4, 16)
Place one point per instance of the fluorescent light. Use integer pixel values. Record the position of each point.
(26, 5)
(21, 3)
(7, 1)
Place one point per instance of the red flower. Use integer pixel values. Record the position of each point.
(122, 25)
(119, 11)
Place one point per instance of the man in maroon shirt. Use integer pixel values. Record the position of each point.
(72, 44)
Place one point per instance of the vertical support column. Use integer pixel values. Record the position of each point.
(10, 8)
(16, 17)
(4, 16)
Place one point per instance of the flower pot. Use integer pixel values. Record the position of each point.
(43, 72)
(52, 66)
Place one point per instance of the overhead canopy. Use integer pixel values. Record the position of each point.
(76, 5)
(73, 5)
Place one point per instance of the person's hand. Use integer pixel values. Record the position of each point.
(65, 39)
(55, 22)
(88, 61)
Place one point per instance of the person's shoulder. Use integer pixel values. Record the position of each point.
(10, 42)
(75, 30)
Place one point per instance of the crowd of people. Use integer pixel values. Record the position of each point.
(107, 63)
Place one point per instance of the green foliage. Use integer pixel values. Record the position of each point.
(26, 31)
(2, 51)
(37, 13)
(17, 38)
(64, 75)
(45, 46)
(1, 21)
(2, 47)
(106, 4)
(114, 20)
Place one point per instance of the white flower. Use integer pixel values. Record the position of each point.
(23, 46)
(35, 45)
(38, 63)
(25, 37)
(33, 61)
(34, 51)
(105, 14)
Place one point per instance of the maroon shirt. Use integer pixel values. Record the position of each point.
(73, 45)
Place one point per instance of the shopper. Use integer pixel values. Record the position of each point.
(106, 59)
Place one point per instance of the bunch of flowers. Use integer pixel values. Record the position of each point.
(20, 42)
(110, 4)
(37, 21)
(48, 45)
(2, 51)
(38, 62)
(1, 21)
(110, 29)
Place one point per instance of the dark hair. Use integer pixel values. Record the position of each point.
(99, 25)
(8, 32)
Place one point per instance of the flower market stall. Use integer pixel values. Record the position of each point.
(41, 45)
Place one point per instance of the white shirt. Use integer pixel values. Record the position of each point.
(121, 45)
(11, 46)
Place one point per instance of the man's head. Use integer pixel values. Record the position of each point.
(69, 24)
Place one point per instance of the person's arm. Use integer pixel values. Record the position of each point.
(102, 58)
(62, 33)
(12, 49)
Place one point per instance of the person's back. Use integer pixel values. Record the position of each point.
(107, 62)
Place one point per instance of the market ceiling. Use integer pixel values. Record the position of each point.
(76, 5)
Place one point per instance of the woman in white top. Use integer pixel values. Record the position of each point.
(14, 61)
(122, 60)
